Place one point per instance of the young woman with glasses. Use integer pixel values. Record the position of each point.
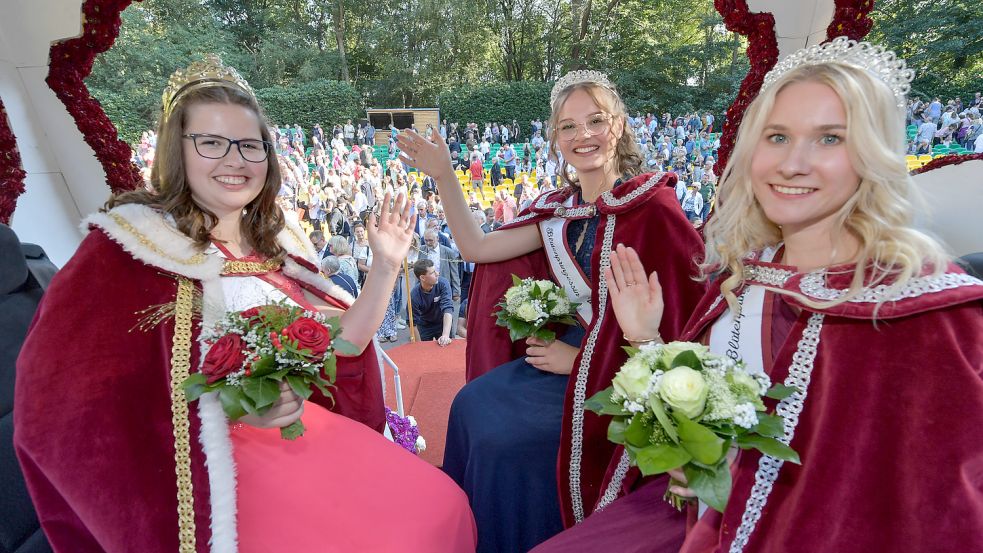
(98, 391)
(519, 441)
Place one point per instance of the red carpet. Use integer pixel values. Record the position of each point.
(431, 376)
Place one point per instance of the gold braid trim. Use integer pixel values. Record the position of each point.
(196, 259)
(250, 267)
(180, 368)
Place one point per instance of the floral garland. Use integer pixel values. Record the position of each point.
(851, 18)
(11, 172)
(405, 432)
(71, 63)
(944, 161)
(762, 51)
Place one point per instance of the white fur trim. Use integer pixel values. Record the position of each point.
(295, 241)
(217, 445)
(216, 442)
(170, 250)
(297, 271)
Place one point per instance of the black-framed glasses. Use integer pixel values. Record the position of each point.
(596, 124)
(213, 146)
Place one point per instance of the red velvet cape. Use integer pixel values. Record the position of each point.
(93, 429)
(891, 435)
(649, 220)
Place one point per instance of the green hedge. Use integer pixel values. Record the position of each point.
(131, 113)
(325, 102)
(501, 102)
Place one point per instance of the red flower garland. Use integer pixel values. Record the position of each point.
(71, 63)
(11, 172)
(851, 18)
(943, 161)
(762, 51)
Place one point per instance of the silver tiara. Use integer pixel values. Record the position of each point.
(883, 64)
(576, 77)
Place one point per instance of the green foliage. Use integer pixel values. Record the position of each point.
(942, 40)
(501, 102)
(322, 101)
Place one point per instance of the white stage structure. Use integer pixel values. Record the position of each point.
(65, 182)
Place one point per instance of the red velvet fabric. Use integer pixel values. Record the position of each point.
(653, 223)
(891, 435)
(93, 429)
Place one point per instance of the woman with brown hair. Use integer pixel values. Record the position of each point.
(114, 456)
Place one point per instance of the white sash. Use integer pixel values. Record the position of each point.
(741, 338)
(563, 265)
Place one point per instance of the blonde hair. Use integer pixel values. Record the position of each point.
(628, 156)
(878, 215)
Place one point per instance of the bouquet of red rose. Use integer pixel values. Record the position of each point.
(250, 353)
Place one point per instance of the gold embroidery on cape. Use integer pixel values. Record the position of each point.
(250, 267)
(180, 368)
(156, 314)
(196, 259)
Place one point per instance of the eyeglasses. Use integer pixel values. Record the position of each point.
(212, 146)
(595, 125)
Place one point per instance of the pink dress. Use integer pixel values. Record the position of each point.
(341, 487)
(344, 488)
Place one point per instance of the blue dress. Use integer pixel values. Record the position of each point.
(503, 438)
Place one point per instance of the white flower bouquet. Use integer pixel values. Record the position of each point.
(530, 305)
(678, 405)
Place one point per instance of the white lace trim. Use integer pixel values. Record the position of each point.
(610, 200)
(799, 376)
(614, 486)
(580, 387)
(814, 285)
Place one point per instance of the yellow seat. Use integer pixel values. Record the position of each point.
(924, 157)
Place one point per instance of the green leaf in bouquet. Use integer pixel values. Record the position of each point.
(771, 426)
(705, 446)
(344, 347)
(293, 430)
(516, 281)
(712, 486)
(639, 431)
(630, 350)
(232, 399)
(602, 404)
(300, 386)
(262, 391)
(616, 431)
(263, 366)
(331, 368)
(768, 446)
(657, 459)
(780, 391)
(323, 388)
(334, 326)
(660, 414)
(721, 428)
(278, 376)
(689, 359)
(194, 386)
(545, 334)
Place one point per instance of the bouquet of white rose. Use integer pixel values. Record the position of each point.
(678, 405)
(529, 305)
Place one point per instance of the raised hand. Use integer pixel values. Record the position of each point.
(391, 231)
(635, 297)
(432, 156)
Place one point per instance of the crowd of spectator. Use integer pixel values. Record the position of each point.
(953, 127)
(332, 180)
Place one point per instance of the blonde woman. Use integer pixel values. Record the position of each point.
(519, 441)
(819, 280)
